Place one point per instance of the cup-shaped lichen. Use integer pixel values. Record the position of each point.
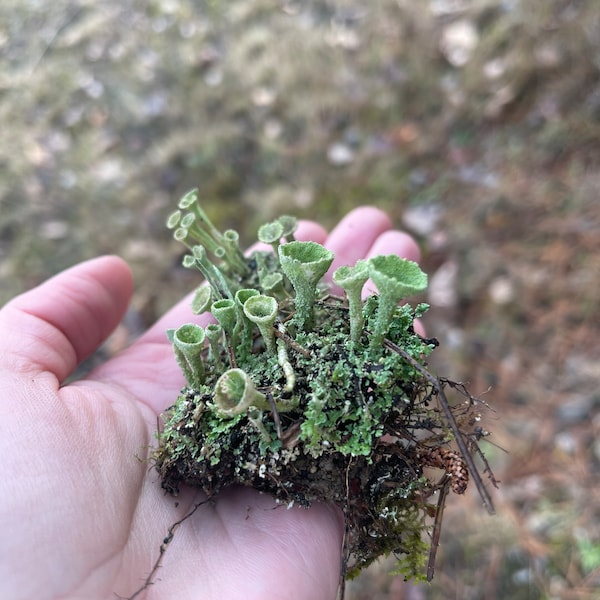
(304, 264)
(225, 313)
(214, 335)
(352, 281)
(262, 311)
(289, 225)
(395, 278)
(271, 233)
(235, 393)
(202, 299)
(272, 284)
(243, 327)
(333, 394)
(188, 344)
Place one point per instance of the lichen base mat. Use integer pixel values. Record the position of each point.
(311, 396)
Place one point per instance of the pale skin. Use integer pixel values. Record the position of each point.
(81, 516)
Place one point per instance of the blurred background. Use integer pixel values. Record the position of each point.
(475, 124)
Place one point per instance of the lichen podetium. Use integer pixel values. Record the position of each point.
(310, 396)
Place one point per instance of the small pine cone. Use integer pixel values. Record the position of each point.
(451, 462)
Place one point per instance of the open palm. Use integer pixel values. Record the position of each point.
(81, 515)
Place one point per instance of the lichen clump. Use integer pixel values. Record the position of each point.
(308, 395)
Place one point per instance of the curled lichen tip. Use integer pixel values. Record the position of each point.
(289, 225)
(174, 219)
(235, 393)
(202, 300)
(242, 296)
(272, 283)
(188, 199)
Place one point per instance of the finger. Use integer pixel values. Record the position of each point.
(309, 231)
(355, 234)
(396, 242)
(61, 322)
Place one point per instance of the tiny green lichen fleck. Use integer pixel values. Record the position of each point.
(310, 396)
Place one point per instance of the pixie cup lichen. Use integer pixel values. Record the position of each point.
(243, 327)
(225, 313)
(311, 396)
(304, 264)
(352, 280)
(188, 344)
(202, 300)
(235, 393)
(396, 278)
(263, 311)
(271, 233)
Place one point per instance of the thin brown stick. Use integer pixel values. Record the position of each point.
(462, 446)
(280, 332)
(163, 548)
(437, 528)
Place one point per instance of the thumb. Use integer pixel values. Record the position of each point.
(61, 322)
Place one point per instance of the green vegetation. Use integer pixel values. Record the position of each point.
(303, 394)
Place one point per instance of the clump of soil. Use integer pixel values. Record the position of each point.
(310, 396)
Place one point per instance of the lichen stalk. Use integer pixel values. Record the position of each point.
(212, 273)
(188, 345)
(225, 312)
(352, 281)
(288, 370)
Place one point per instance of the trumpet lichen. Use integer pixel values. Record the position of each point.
(310, 396)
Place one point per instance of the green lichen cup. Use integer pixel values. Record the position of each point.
(304, 264)
(396, 278)
(188, 345)
(235, 393)
(262, 311)
(352, 281)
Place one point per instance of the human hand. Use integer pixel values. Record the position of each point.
(80, 515)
